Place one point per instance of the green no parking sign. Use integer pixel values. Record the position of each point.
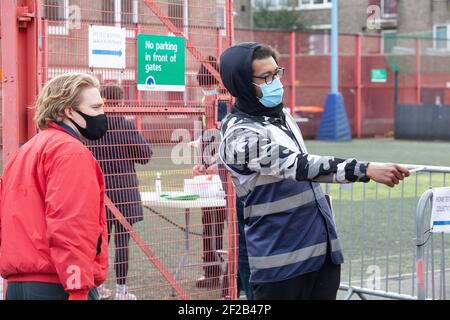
(161, 63)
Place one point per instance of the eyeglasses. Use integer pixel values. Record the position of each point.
(271, 77)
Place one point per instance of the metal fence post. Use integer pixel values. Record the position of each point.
(418, 73)
(419, 242)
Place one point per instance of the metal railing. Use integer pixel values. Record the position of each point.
(379, 230)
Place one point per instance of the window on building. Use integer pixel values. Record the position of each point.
(389, 8)
(388, 41)
(119, 12)
(55, 10)
(314, 4)
(221, 14)
(221, 17)
(176, 12)
(441, 37)
(272, 4)
(108, 11)
(57, 14)
(127, 12)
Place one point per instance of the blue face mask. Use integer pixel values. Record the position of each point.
(272, 93)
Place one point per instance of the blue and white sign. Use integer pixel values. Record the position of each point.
(107, 46)
(440, 212)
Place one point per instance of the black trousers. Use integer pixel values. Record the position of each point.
(213, 224)
(122, 245)
(319, 285)
(40, 291)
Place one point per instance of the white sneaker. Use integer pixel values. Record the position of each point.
(125, 296)
(104, 293)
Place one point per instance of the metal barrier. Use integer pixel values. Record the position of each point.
(377, 226)
(428, 274)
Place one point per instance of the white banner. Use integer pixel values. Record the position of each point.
(440, 214)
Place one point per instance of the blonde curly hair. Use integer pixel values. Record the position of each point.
(60, 93)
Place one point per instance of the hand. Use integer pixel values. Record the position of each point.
(194, 144)
(130, 118)
(214, 169)
(198, 170)
(388, 174)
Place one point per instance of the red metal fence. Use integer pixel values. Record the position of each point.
(178, 241)
(423, 75)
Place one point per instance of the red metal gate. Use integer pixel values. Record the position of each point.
(172, 245)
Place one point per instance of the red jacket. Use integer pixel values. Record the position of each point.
(52, 214)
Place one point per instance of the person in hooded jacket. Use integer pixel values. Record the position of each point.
(292, 243)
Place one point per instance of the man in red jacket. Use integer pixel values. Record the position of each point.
(53, 234)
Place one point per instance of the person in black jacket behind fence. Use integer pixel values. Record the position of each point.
(117, 152)
(211, 87)
(213, 219)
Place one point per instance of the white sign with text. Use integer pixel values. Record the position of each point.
(107, 46)
(440, 214)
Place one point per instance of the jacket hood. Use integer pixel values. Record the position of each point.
(237, 76)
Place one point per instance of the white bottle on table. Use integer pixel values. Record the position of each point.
(158, 184)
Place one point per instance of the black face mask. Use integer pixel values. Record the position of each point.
(96, 126)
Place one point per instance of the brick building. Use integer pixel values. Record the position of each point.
(425, 17)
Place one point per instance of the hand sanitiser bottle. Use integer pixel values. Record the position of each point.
(158, 184)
